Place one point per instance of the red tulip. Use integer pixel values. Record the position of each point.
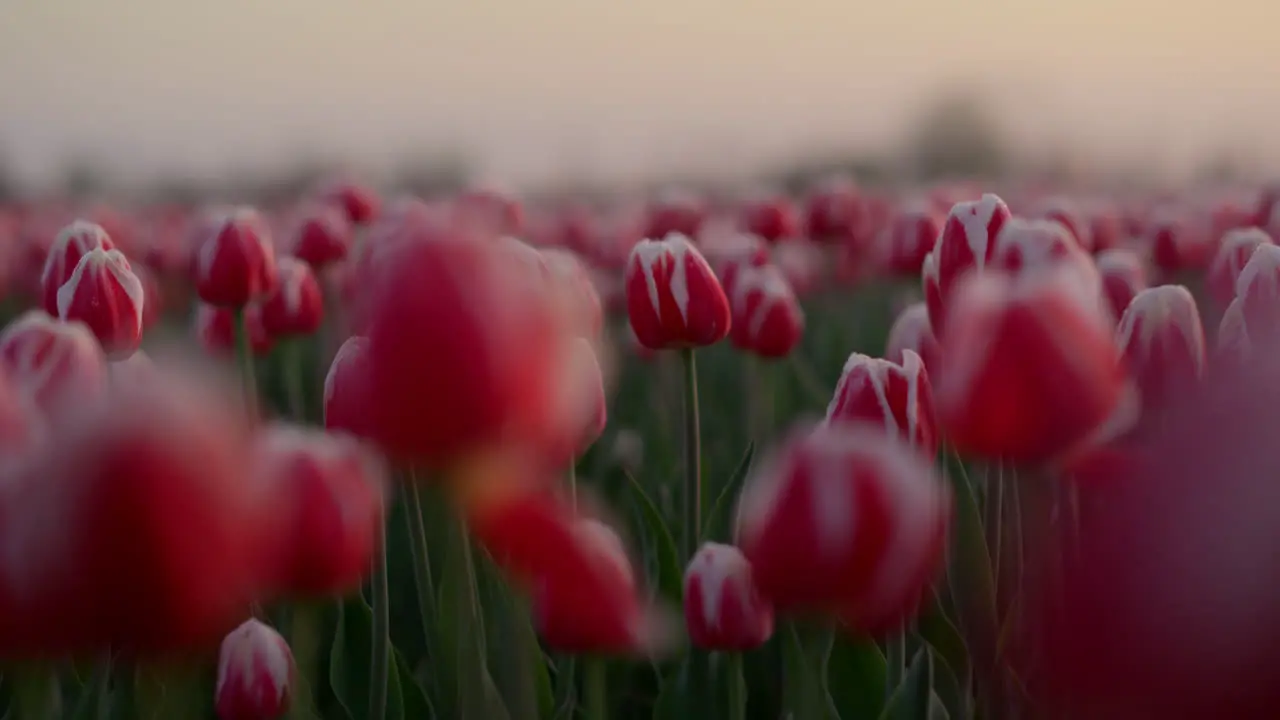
(674, 212)
(72, 243)
(346, 389)
(1162, 339)
(322, 236)
(1029, 245)
(1233, 347)
(802, 262)
(296, 306)
(723, 609)
(489, 210)
(583, 412)
(465, 346)
(584, 589)
(771, 217)
(912, 235)
(911, 331)
(967, 242)
(1064, 212)
(844, 520)
(728, 249)
(53, 364)
(1234, 252)
(931, 285)
(767, 317)
(359, 202)
(834, 212)
(105, 295)
(255, 674)
(1029, 367)
(1123, 277)
(326, 499)
(1105, 228)
(1258, 290)
(235, 263)
(215, 329)
(134, 528)
(897, 397)
(673, 298)
(1176, 242)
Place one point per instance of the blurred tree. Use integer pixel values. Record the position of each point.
(957, 136)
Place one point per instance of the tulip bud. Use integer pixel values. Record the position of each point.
(767, 317)
(675, 212)
(105, 295)
(1029, 367)
(296, 306)
(1105, 227)
(1258, 290)
(345, 394)
(1177, 243)
(322, 236)
(255, 674)
(52, 363)
(931, 285)
(235, 263)
(673, 298)
(1123, 277)
(359, 202)
(1064, 212)
(583, 414)
(723, 609)
(834, 212)
(912, 235)
(215, 328)
(898, 397)
(1163, 343)
(912, 331)
(1233, 254)
(72, 243)
(967, 242)
(1029, 245)
(771, 217)
(843, 519)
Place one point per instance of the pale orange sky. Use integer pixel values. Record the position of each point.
(618, 87)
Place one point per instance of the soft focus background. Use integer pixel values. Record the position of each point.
(235, 96)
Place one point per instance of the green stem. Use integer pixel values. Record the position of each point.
(294, 371)
(595, 694)
(244, 357)
(304, 641)
(380, 662)
(692, 456)
(422, 577)
(35, 693)
(465, 628)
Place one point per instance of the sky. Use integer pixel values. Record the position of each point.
(536, 89)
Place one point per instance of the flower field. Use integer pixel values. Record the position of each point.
(951, 451)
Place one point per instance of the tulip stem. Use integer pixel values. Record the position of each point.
(692, 456)
(595, 689)
(380, 663)
(244, 356)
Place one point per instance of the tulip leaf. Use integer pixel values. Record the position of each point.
(857, 670)
(936, 629)
(416, 703)
(95, 693)
(349, 667)
(972, 585)
(949, 689)
(805, 657)
(517, 665)
(914, 697)
(719, 521)
(670, 570)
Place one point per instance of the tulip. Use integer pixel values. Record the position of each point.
(215, 329)
(235, 263)
(359, 202)
(1233, 344)
(1028, 245)
(72, 243)
(345, 389)
(767, 317)
(675, 212)
(673, 298)
(911, 331)
(255, 674)
(1258, 290)
(723, 609)
(771, 217)
(1123, 277)
(488, 210)
(1029, 367)
(911, 237)
(967, 243)
(1163, 343)
(1105, 228)
(52, 364)
(845, 520)
(834, 212)
(105, 295)
(322, 236)
(1065, 212)
(567, 271)
(898, 397)
(1176, 243)
(1233, 254)
(296, 306)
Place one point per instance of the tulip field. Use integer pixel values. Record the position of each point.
(948, 451)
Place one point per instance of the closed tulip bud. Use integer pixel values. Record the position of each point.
(1177, 243)
(325, 495)
(912, 235)
(1163, 343)
(673, 298)
(896, 397)
(932, 288)
(322, 235)
(105, 295)
(1105, 227)
(360, 203)
(345, 389)
(767, 317)
(1030, 245)
(1258, 290)
(845, 520)
(727, 252)
(1123, 277)
(235, 262)
(255, 674)
(675, 212)
(802, 262)
(723, 609)
(772, 217)
(1064, 211)
(296, 306)
(1233, 347)
(1233, 254)
(52, 363)
(71, 244)
(967, 243)
(215, 329)
(912, 331)
(834, 212)
(1029, 366)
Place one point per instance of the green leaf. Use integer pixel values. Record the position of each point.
(718, 522)
(936, 629)
(517, 664)
(416, 704)
(566, 687)
(806, 653)
(670, 570)
(912, 699)
(94, 695)
(857, 670)
(349, 663)
(972, 586)
(949, 689)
